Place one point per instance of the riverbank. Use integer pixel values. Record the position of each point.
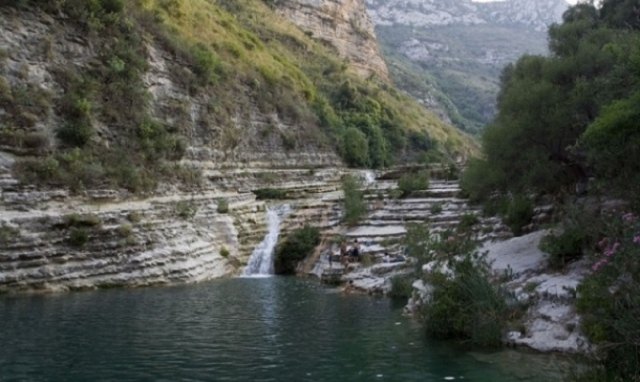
(550, 322)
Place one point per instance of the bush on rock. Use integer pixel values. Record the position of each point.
(298, 245)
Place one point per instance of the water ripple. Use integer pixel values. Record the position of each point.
(249, 329)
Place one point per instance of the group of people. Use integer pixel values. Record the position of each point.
(349, 254)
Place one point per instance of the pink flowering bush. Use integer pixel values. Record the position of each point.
(609, 299)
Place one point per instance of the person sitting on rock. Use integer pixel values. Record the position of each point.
(348, 288)
(343, 252)
(392, 259)
(354, 253)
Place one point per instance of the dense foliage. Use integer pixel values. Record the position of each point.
(564, 119)
(463, 303)
(568, 116)
(270, 193)
(355, 207)
(609, 300)
(411, 182)
(298, 245)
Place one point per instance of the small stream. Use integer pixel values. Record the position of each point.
(240, 329)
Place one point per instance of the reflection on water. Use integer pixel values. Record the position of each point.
(245, 329)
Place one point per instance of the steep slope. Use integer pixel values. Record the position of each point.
(461, 47)
(343, 24)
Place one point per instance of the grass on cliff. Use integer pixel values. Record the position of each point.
(233, 58)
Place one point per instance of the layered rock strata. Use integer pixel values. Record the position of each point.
(55, 239)
(345, 25)
(385, 226)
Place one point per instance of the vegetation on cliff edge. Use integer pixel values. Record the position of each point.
(231, 57)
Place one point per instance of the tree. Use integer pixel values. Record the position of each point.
(546, 103)
(356, 148)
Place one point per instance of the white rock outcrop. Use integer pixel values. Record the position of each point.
(345, 25)
(551, 322)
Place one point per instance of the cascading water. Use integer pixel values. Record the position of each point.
(368, 177)
(261, 260)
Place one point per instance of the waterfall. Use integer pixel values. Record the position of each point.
(369, 177)
(261, 260)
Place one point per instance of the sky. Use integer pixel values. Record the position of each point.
(488, 1)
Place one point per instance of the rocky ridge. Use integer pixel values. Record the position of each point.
(344, 24)
(54, 239)
(449, 54)
(535, 14)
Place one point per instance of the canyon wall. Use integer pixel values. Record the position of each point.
(55, 238)
(345, 25)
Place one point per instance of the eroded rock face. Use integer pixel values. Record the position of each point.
(55, 239)
(344, 24)
(551, 322)
(538, 14)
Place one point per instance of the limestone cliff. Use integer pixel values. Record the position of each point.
(54, 238)
(131, 138)
(535, 14)
(344, 24)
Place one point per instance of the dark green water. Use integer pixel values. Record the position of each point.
(269, 329)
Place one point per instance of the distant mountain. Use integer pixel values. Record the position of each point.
(537, 14)
(449, 53)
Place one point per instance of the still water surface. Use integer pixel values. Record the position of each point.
(244, 329)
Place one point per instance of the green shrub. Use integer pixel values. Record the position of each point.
(185, 210)
(395, 193)
(134, 217)
(223, 206)
(270, 193)
(224, 252)
(8, 233)
(298, 245)
(288, 140)
(435, 208)
(563, 248)
(206, 65)
(75, 134)
(356, 148)
(86, 220)
(402, 286)
(479, 180)
(409, 183)
(496, 206)
(466, 306)
(579, 231)
(452, 172)
(519, 214)
(467, 222)
(125, 230)
(36, 170)
(354, 204)
(78, 237)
